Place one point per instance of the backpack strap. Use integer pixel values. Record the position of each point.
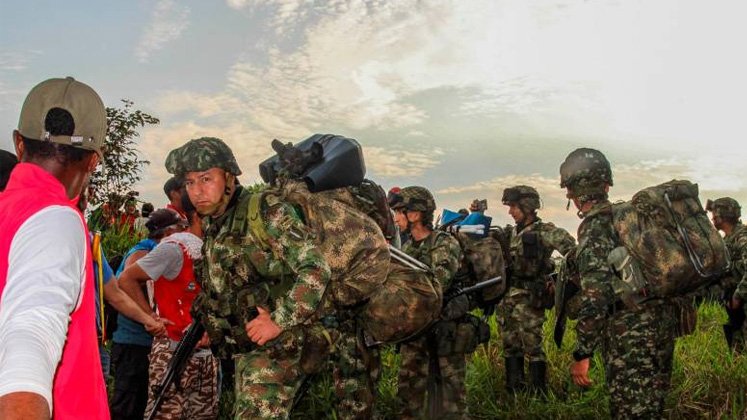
(256, 221)
(238, 222)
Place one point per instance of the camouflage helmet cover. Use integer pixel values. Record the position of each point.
(725, 208)
(585, 172)
(200, 155)
(414, 199)
(525, 196)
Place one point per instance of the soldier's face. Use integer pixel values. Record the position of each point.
(400, 218)
(515, 211)
(206, 189)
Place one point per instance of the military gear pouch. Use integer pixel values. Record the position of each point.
(630, 285)
(530, 242)
(461, 336)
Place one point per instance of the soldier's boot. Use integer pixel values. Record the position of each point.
(538, 377)
(515, 374)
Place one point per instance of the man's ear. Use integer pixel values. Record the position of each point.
(93, 160)
(18, 141)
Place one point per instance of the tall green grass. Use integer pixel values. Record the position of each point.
(707, 381)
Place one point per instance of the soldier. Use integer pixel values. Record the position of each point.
(254, 304)
(414, 207)
(726, 217)
(637, 344)
(522, 312)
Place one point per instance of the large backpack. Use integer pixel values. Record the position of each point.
(675, 248)
(482, 257)
(352, 223)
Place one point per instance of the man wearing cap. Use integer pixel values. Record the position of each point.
(726, 215)
(259, 291)
(50, 365)
(173, 189)
(132, 341)
(171, 268)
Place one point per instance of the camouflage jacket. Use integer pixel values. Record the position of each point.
(441, 252)
(736, 243)
(289, 268)
(530, 261)
(596, 239)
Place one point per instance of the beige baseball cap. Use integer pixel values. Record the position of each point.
(79, 99)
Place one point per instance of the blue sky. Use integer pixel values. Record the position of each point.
(465, 97)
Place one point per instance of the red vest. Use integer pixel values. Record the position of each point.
(174, 297)
(78, 389)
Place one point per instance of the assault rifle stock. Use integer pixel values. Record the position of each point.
(178, 362)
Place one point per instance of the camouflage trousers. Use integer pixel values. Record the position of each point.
(197, 395)
(352, 366)
(521, 325)
(268, 378)
(638, 352)
(413, 381)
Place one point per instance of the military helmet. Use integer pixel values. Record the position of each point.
(525, 196)
(200, 155)
(585, 172)
(414, 199)
(725, 207)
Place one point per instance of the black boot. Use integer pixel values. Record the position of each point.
(537, 376)
(514, 374)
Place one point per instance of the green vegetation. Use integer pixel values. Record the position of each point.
(708, 382)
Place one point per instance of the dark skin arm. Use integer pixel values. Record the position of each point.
(24, 405)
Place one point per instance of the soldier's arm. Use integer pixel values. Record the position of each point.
(597, 294)
(560, 240)
(293, 243)
(445, 257)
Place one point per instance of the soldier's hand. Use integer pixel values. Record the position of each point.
(204, 341)
(580, 373)
(262, 328)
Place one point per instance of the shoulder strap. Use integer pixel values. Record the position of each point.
(256, 221)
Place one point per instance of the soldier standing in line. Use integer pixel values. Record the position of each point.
(255, 304)
(637, 344)
(413, 212)
(522, 312)
(726, 218)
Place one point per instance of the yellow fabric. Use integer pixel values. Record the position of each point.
(98, 260)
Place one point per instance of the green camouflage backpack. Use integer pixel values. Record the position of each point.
(674, 247)
(365, 279)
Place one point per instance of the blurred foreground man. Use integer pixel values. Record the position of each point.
(49, 361)
(637, 345)
(255, 305)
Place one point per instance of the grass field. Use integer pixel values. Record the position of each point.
(708, 382)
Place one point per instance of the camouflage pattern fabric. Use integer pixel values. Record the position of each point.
(736, 242)
(289, 265)
(415, 199)
(525, 196)
(637, 345)
(586, 172)
(521, 314)
(352, 366)
(200, 155)
(267, 379)
(442, 253)
(195, 396)
(413, 381)
(726, 208)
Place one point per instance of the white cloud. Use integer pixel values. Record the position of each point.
(167, 22)
(399, 162)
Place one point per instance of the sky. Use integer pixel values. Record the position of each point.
(464, 97)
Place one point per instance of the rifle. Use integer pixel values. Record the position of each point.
(178, 362)
(435, 379)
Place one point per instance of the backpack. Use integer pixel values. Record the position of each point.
(675, 249)
(406, 304)
(482, 256)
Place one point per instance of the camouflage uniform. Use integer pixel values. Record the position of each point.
(637, 344)
(734, 285)
(285, 272)
(197, 394)
(522, 311)
(442, 253)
